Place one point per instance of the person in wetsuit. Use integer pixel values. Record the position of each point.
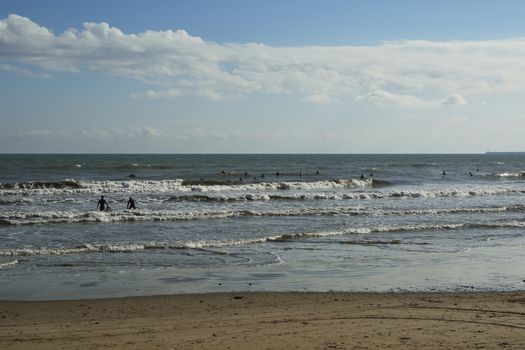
(131, 204)
(102, 205)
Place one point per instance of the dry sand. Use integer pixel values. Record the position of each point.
(270, 321)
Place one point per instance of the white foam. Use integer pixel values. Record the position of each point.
(8, 264)
(172, 186)
(511, 174)
(43, 217)
(55, 217)
(202, 244)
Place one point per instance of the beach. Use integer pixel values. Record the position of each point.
(269, 321)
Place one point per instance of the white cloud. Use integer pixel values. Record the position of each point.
(23, 71)
(319, 99)
(455, 99)
(89, 134)
(156, 94)
(399, 73)
(383, 98)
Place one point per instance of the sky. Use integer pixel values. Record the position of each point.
(294, 76)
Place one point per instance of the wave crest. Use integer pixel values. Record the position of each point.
(206, 245)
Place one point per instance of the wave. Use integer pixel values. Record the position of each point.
(209, 245)
(8, 264)
(181, 190)
(55, 217)
(125, 247)
(514, 174)
(397, 228)
(143, 215)
(70, 186)
(35, 185)
(355, 195)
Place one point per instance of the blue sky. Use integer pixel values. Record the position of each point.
(261, 76)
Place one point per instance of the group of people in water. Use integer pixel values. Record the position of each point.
(103, 205)
(246, 175)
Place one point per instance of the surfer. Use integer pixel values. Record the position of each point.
(102, 205)
(362, 176)
(131, 204)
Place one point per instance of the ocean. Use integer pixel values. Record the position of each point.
(215, 223)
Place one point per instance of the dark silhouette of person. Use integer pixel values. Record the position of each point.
(317, 172)
(262, 175)
(131, 204)
(362, 176)
(102, 205)
(277, 174)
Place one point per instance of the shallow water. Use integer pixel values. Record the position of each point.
(208, 223)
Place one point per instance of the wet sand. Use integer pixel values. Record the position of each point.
(270, 321)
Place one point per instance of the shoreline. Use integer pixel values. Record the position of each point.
(270, 320)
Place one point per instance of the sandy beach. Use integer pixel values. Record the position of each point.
(270, 321)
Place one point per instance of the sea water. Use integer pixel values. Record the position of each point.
(210, 223)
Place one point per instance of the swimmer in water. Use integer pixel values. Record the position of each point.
(131, 204)
(102, 205)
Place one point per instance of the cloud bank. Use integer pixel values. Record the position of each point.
(126, 133)
(403, 73)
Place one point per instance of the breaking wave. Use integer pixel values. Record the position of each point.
(515, 174)
(56, 217)
(41, 185)
(179, 190)
(355, 195)
(209, 245)
(8, 264)
(177, 185)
